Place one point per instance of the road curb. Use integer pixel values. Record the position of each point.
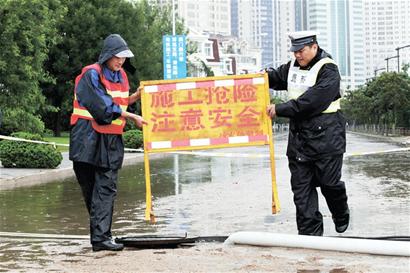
(42, 176)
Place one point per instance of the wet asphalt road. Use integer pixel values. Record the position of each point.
(214, 194)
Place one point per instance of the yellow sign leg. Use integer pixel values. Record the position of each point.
(149, 215)
(275, 198)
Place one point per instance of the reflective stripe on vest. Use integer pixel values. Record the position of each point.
(118, 92)
(300, 80)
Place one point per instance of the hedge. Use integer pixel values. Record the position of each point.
(133, 139)
(19, 154)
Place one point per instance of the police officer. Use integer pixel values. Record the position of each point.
(101, 98)
(317, 137)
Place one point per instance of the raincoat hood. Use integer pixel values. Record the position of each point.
(114, 45)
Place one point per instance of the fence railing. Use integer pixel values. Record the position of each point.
(280, 127)
(379, 129)
(362, 128)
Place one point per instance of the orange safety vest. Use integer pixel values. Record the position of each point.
(119, 93)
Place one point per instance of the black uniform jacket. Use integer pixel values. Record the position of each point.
(312, 134)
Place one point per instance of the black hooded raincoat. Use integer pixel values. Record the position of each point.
(96, 156)
(87, 145)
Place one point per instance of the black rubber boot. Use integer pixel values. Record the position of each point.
(107, 245)
(341, 224)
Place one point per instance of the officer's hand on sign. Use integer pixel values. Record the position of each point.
(271, 111)
(266, 70)
(269, 69)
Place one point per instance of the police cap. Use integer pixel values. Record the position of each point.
(301, 38)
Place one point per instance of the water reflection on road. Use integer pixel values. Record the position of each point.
(213, 195)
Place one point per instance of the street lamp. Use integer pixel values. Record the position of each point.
(378, 69)
(398, 56)
(387, 60)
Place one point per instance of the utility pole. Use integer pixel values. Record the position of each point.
(398, 56)
(173, 17)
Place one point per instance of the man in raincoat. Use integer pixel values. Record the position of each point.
(317, 137)
(101, 98)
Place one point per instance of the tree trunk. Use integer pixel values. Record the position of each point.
(57, 124)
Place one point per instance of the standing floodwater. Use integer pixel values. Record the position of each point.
(218, 195)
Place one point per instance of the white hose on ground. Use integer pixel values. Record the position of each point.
(379, 247)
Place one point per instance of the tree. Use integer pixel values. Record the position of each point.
(277, 100)
(384, 101)
(82, 31)
(357, 106)
(27, 30)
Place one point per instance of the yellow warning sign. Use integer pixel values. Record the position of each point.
(200, 113)
(204, 113)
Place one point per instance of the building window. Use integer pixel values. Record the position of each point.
(228, 66)
(209, 54)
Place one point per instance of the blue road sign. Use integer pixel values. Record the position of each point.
(174, 56)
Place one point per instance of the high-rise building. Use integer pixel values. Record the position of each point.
(359, 34)
(213, 16)
(283, 23)
(301, 14)
(386, 27)
(340, 28)
(252, 21)
(234, 18)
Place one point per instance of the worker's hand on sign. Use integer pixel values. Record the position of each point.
(138, 120)
(136, 96)
(271, 111)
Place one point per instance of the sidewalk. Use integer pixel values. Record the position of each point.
(400, 140)
(11, 178)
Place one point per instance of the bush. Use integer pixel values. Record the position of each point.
(18, 154)
(18, 120)
(133, 139)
